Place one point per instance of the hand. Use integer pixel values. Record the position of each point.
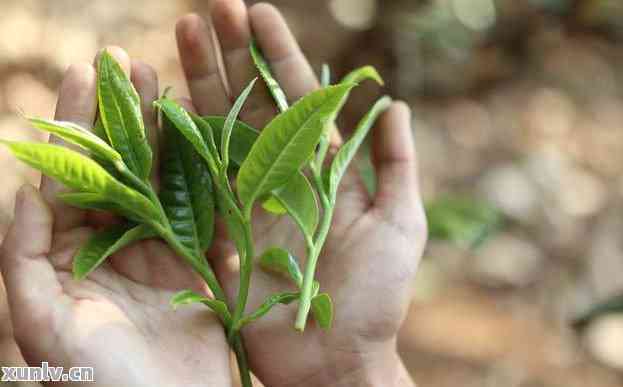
(118, 320)
(372, 252)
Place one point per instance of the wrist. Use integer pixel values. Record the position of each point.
(382, 367)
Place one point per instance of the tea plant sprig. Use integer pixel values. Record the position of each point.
(200, 158)
(325, 181)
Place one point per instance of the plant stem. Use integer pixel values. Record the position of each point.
(312, 256)
(246, 267)
(241, 357)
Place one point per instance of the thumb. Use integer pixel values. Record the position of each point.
(30, 280)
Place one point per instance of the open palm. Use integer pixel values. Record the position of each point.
(372, 252)
(118, 320)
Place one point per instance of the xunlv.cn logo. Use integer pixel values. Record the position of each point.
(45, 373)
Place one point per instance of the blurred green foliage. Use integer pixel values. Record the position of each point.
(462, 220)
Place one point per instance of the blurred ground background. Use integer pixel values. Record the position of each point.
(517, 102)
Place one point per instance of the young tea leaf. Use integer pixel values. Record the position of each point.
(243, 137)
(267, 305)
(283, 263)
(105, 243)
(274, 206)
(76, 134)
(231, 119)
(287, 143)
(186, 297)
(93, 201)
(185, 124)
(298, 199)
(264, 68)
(207, 133)
(186, 191)
(82, 174)
(121, 117)
(322, 308)
(347, 152)
(361, 74)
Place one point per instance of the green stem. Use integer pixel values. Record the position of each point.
(163, 227)
(246, 267)
(312, 257)
(241, 358)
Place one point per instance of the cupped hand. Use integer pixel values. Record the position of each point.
(118, 320)
(372, 252)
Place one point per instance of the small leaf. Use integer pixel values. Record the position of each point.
(461, 220)
(347, 152)
(186, 191)
(231, 119)
(121, 117)
(361, 74)
(264, 68)
(82, 174)
(76, 134)
(281, 262)
(207, 133)
(288, 142)
(105, 243)
(274, 206)
(185, 124)
(322, 308)
(267, 305)
(325, 75)
(186, 297)
(242, 138)
(298, 199)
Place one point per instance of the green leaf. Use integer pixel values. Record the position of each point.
(99, 130)
(612, 306)
(264, 68)
(361, 74)
(347, 152)
(274, 206)
(105, 243)
(267, 305)
(298, 199)
(280, 261)
(242, 138)
(325, 75)
(76, 134)
(94, 201)
(186, 297)
(231, 119)
(186, 191)
(185, 124)
(82, 174)
(120, 113)
(461, 220)
(288, 142)
(322, 308)
(207, 133)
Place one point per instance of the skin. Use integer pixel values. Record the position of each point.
(375, 243)
(119, 320)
